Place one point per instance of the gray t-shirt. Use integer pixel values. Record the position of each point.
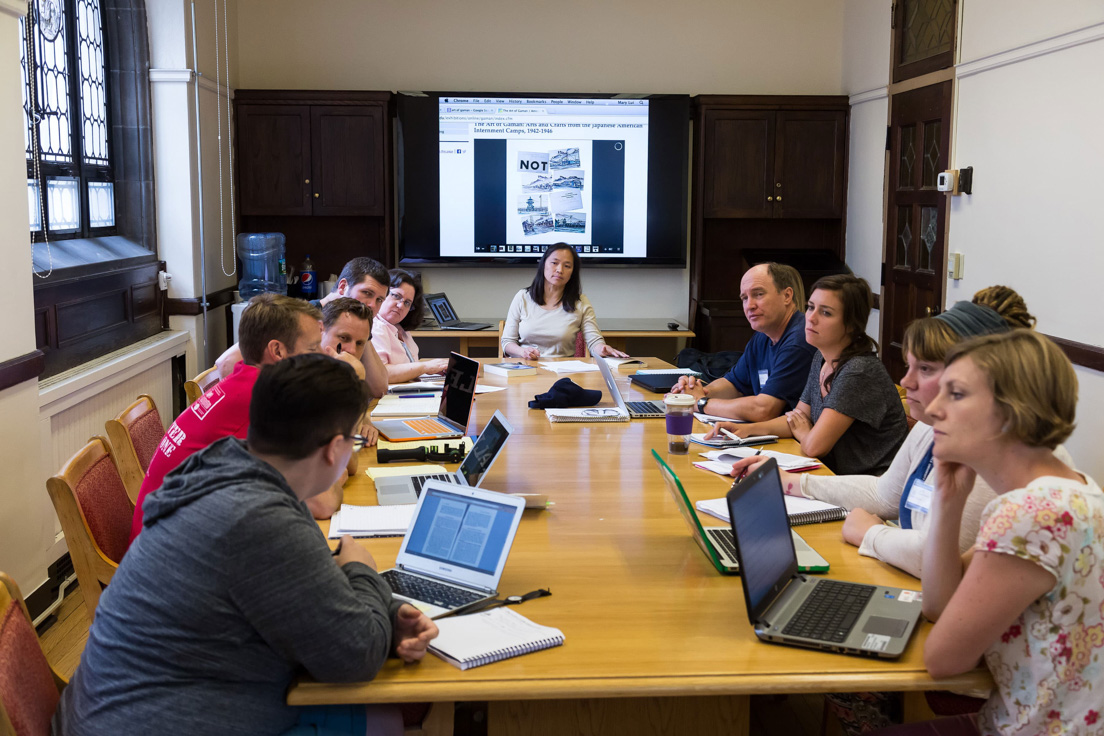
(862, 390)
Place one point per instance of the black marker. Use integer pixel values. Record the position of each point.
(337, 548)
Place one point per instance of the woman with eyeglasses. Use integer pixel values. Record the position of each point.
(401, 311)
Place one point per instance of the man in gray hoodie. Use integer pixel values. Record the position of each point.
(231, 590)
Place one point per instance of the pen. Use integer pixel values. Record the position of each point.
(730, 435)
(416, 396)
(743, 474)
(336, 549)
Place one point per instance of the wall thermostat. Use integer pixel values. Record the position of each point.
(945, 181)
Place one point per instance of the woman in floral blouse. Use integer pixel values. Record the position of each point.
(1031, 599)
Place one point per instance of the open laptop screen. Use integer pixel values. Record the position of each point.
(442, 310)
(465, 532)
(459, 389)
(484, 451)
(764, 545)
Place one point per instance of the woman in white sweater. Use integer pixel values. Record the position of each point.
(873, 498)
(544, 318)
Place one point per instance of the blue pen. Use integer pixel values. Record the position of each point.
(416, 396)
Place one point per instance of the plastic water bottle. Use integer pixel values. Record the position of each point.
(261, 255)
(307, 280)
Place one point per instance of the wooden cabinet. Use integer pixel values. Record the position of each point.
(773, 164)
(316, 166)
(770, 184)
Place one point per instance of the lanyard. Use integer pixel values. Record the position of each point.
(904, 516)
(402, 338)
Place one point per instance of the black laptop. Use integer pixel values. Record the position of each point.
(659, 383)
(445, 315)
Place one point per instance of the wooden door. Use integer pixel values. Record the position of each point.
(348, 158)
(915, 259)
(274, 159)
(739, 159)
(809, 164)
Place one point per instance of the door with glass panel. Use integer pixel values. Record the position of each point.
(916, 219)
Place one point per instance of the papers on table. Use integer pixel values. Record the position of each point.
(711, 418)
(678, 371)
(372, 521)
(594, 414)
(392, 405)
(568, 366)
(414, 387)
(800, 510)
(400, 470)
(720, 461)
(618, 362)
(724, 442)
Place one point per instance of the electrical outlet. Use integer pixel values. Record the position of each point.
(955, 263)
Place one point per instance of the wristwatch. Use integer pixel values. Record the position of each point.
(701, 404)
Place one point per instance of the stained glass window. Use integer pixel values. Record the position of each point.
(929, 29)
(66, 119)
(907, 156)
(928, 222)
(931, 154)
(904, 236)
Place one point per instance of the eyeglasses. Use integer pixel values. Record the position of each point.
(397, 296)
(359, 442)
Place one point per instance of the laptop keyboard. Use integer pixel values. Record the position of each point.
(723, 539)
(421, 589)
(644, 407)
(830, 611)
(429, 426)
(420, 480)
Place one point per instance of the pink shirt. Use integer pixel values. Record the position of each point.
(392, 342)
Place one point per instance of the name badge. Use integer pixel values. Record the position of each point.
(919, 498)
(763, 376)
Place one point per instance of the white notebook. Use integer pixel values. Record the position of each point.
(371, 521)
(395, 406)
(489, 636)
(595, 414)
(800, 510)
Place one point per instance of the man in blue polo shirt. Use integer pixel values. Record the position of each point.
(769, 378)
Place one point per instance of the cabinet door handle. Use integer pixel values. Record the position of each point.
(316, 195)
(778, 198)
(306, 181)
(770, 199)
(778, 185)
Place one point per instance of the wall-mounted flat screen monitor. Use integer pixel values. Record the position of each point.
(497, 178)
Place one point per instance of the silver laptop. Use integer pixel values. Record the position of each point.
(457, 395)
(407, 489)
(716, 541)
(442, 311)
(454, 552)
(635, 409)
(786, 607)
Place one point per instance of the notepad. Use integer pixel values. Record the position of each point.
(397, 406)
(391, 471)
(371, 521)
(568, 366)
(490, 636)
(723, 459)
(800, 510)
(607, 414)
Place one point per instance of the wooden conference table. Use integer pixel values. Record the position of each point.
(655, 639)
(615, 331)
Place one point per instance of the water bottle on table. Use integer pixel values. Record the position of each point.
(680, 422)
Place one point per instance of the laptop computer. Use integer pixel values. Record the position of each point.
(659, 383)
(407, 488)
(716, 541)
(635, 409)
(454, 552)
(445, 315)
(452, 416)
(786, 607)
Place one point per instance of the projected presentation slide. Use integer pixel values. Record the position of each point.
(517, 175)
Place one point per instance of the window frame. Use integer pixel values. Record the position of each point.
(84, 172)
(943, 60)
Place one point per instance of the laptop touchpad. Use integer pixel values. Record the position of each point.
(885, 626)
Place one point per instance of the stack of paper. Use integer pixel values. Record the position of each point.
(392, 405)
(800, 510)
(720, 461)
(371, 521)
(568, 366)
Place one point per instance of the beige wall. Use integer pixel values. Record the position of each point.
(720, 46)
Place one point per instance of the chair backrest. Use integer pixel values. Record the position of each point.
(580, 345)
(135, 434)
(501, 325)
(28, 685)
(95, 513)
(199, 385)
(908, 415)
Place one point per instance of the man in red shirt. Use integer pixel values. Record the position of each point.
(274, 327)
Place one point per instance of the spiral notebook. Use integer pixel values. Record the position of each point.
(800, 510)
(490, 636)
(596, 414)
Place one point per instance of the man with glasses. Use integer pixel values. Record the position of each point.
(272, 328)
(232, 591)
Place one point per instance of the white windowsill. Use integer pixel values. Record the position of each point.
(60, 392)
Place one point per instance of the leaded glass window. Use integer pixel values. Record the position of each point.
(66, 120)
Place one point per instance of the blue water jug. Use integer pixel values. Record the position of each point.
(263, 264)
